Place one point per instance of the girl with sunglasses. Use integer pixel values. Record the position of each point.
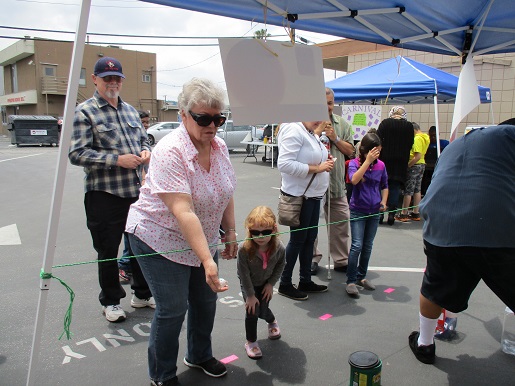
(261, 259)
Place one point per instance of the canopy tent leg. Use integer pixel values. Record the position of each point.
(57, 196)
(435, 98)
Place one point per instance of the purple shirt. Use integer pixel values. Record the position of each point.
(366, 195)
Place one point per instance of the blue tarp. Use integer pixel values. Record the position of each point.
(450, 27)
(403, 80)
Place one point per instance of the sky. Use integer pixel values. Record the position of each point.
(175, 65)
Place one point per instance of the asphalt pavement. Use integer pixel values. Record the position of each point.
(318, 335)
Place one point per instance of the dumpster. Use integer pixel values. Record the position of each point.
(33, 130)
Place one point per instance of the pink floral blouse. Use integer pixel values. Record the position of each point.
(174, 168)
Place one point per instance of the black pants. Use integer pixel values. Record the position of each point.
(106, 217)
(262, 311)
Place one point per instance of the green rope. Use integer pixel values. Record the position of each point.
(68, 315)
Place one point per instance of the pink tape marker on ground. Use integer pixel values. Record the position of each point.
(230, 358)
(389, 290)
(325, 317)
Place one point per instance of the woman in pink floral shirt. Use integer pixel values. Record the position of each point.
(187, 195)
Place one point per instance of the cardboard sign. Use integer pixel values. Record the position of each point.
(270, 81)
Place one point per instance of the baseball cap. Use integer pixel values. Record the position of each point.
(108, 66)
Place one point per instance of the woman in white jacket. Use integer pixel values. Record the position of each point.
(301, 154)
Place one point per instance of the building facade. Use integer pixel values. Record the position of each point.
(36, 75)
(494, 71)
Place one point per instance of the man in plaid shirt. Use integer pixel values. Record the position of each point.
(109, 141)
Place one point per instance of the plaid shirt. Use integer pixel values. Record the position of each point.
(100, 134)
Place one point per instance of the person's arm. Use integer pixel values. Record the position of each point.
(231, 247)
(415, 159)
(384, 199)
(343, 144)
(181, 207)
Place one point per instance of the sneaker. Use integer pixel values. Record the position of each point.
(171, 382)
(291, 292)
(142, 303)
(449, 329)
(352, 290)
(311, 287)
(425, 354)
(125, 277)
(402, 217)
(414, 216)
(212, 367)
(114, 313)
(366, 284)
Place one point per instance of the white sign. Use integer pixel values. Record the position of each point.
(273, 82)
(362, 118)
(38, 132)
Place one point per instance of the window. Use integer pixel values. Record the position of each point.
(145, 78)
(82, 80)
(49, 71)
(14, 78)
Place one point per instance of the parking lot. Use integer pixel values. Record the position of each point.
(312, 350)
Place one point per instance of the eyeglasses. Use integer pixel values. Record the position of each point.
(206, 119)
(111, 78)
(266, 232)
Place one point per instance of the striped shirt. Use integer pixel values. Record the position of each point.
(101, 133)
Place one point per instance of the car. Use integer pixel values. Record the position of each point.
(233, 135)
(159, 130)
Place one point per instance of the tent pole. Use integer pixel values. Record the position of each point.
(435, 98)
(57, 196)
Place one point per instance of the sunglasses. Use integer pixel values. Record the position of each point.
(266, 232)
(110, 78)
(206, 119)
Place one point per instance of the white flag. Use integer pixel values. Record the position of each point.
(467, 97)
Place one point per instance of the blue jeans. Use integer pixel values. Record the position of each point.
(125, 263)
(176, 288)
(394, 192)
(301, 242)
(363, 232)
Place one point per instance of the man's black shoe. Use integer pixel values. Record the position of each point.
(212, 367)
(391, 218)
(314, 268)
(171, 382)
(291, 292)
(341, 268)
(311, 287)
(425, 354)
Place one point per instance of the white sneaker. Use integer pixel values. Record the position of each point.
(142, 303)
(114, 313)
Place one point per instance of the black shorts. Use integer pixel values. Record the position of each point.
(452, 274)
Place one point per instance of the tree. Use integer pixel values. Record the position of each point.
(261, 34)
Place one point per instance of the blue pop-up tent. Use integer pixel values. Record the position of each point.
(399, 80)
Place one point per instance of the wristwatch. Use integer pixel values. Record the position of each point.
(336, 140)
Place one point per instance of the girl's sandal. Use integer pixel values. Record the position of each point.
(253, 350)
(273, 331)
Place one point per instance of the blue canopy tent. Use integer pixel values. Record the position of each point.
(459, 27)
(399, 80)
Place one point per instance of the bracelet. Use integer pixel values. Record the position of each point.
(230, 230)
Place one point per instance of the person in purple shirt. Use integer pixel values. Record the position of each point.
(368, 175)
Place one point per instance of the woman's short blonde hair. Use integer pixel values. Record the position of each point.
(201, 92)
